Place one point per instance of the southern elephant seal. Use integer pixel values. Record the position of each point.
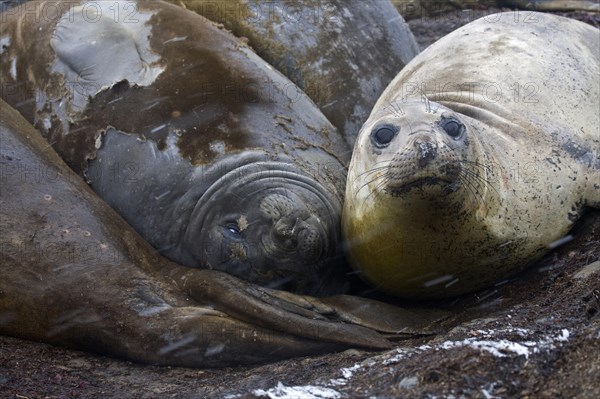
(482, 153)
(73, 273)
(186, 132)
(341, 53)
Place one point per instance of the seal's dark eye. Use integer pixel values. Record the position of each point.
(233, 229)
(452, 127)
(383, 135)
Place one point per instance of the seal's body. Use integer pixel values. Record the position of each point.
(479, 155)
(341, 53)
(186, 132)
(74, 273)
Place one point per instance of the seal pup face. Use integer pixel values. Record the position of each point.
(269, 223)
(416, 184)
(419, 151)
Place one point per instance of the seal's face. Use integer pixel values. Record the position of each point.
(421, 150)
(268, 223)
(415, 184)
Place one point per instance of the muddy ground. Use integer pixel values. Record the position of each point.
(535, 336)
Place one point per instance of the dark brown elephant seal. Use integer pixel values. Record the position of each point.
(341, 53)
(478, 157)
(73, 273)
(187, 133)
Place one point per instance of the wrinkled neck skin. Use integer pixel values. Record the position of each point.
(264, 219)
(533, 165)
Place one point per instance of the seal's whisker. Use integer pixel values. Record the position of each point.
(382, 175)
(384, 162)
(396, 109)
(472, 188)
(378, 188)
(427, 102)
(473, 181)
(472, 163)
(482, 167)
(384, 179)
(378, 169)
(371, 171)
(381, 166)
(486, 182)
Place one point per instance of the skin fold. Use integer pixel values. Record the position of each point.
(214, 157)
(75, 274)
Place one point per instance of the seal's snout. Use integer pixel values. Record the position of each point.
(426, 151)
(295, 230)
(286, 230)
(300, 234)
(304, 236)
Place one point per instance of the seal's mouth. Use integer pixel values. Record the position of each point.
(398, 190)
(440, 180)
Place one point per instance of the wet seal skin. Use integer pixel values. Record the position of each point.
(341, 53)
(213, 156)
(479, 156)
(411, 9)
(75, 274)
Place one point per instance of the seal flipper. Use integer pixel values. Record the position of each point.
(393, 321)
(259, 306)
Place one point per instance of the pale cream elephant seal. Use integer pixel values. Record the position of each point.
(478, 157)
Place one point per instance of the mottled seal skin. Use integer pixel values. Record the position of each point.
(411, 9)
(73, 273)
(482, 153)
(8, 4)
(551, 5)
(187, 133)
(342, 53)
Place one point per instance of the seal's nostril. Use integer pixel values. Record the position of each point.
(300, 234)
(284, 228)
(286, 232)
(426, 151)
